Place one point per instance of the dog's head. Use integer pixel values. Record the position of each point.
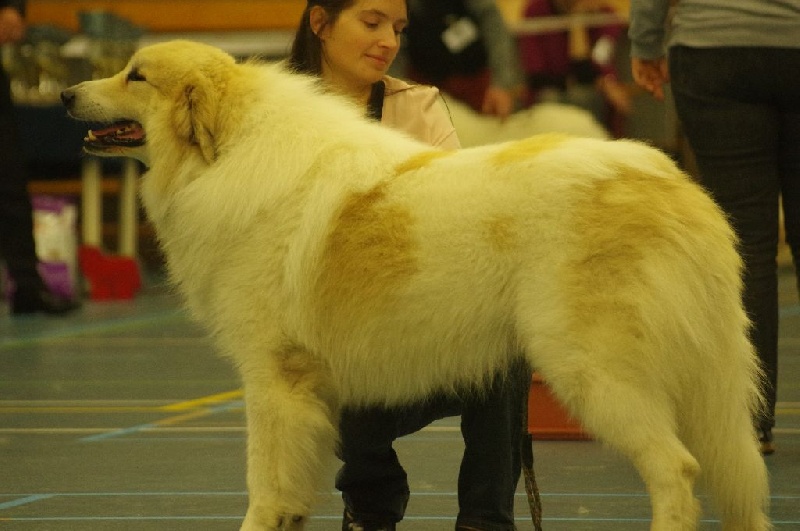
(168, 92)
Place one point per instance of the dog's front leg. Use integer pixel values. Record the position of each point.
(291, 419)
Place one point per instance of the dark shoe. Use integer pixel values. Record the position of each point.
(767, 443)
(25, 301)
(350, 524)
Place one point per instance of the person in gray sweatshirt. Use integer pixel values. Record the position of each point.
(734, 70)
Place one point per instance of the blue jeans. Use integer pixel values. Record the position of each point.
(374, 484)
(740, 109)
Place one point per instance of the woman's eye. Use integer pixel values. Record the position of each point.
(135, 75)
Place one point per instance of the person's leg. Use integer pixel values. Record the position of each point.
(721, 97)
(17, 246)
(492, 428)
(787, 61)
(16, 214)
(790, 186)
(373, 483)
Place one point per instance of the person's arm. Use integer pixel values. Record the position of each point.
(501, 47)
(647, 33)
(502, 52)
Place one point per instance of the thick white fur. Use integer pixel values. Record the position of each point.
(338, 262)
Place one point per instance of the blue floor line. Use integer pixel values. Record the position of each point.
(117, 433)
(154, 425)
(788, 311)
(31, 498)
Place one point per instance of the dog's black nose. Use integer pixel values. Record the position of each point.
(68, 98)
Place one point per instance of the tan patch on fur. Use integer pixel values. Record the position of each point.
(420, 160)
(625, 220)
(529, 147)
(502, 233)
(305, 373)
(370, 251)
(628, 220)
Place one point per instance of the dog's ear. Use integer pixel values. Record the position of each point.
(195, 117)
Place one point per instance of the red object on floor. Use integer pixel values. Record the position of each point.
(110, 277)
(547, 418)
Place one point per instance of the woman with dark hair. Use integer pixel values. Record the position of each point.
(350, 45)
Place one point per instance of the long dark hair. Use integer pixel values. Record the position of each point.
(306, 53)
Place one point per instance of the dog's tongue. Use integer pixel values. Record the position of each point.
(126, 131)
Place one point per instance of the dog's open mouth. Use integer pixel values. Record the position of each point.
(126, 133)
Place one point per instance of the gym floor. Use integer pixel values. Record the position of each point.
(121, 417)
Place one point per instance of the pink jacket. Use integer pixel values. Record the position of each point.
(419, 111)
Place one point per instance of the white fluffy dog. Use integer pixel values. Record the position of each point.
(338, 262)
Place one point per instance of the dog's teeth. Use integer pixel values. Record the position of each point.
(91, 136)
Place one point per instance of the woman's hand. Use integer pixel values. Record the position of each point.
(651, 74)
(498, 102)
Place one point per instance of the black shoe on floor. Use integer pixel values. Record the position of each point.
(767, 443)
(350, 524)
(30, 301)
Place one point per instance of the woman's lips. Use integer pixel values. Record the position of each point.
(378, 60)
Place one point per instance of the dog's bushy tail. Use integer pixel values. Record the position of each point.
(720, 395)
(721, 436)
(718, 410)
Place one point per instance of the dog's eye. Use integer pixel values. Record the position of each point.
(135, 75)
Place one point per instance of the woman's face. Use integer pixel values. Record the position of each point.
(359, 46)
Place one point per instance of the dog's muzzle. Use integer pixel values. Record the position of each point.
(120, 133)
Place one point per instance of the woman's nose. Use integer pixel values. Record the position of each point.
(390, 39)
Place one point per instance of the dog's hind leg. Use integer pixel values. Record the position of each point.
(630, 412)
(291, 420)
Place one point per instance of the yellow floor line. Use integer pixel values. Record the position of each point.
(203, 401)
(183, 417)
(79, 409)
(96, 407)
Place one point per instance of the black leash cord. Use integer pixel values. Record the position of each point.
(526, 456)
